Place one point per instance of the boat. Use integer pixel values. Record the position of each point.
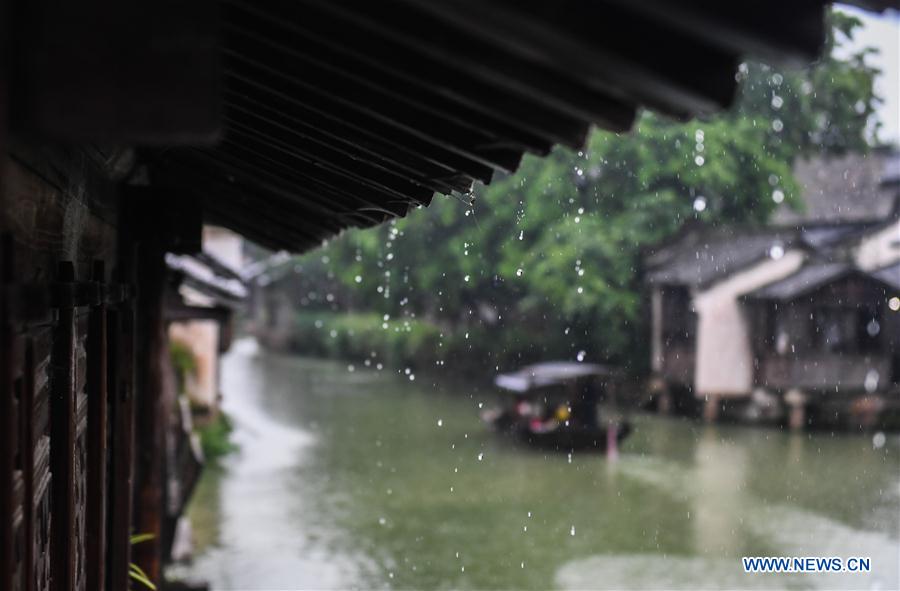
(556, 405)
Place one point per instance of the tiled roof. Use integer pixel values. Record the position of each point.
(853, 187)
(705, 255)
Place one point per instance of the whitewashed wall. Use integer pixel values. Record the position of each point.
(724, 361)
(879, 248)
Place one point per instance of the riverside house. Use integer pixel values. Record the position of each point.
(796, 321)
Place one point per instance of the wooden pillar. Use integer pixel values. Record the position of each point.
(796, 401)
(95, 536)
(150, 416)
(7, 427)
(62, 441)
(711, 408)
(121, 381)
(120, 324)
(665, 405)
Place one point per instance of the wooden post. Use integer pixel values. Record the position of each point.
(62, 446)
(149, 401)
(7, 430)
(711, 408)
(95, 536)
(120, 323)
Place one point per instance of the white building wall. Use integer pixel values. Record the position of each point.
(202, 336)
(656, 344)
(880, 248)
(724, 358)
(225, 245)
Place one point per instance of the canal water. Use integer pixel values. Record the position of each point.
(375, 479)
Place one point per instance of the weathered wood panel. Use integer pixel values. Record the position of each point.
(825, 371)
(39, 518)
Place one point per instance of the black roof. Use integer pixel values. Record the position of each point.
(704, 255)
(345, 114)
(290, 121)
(818, 274)
(889, 275)
(806, 279)
(848, 188)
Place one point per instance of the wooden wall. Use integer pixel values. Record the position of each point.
(66, 365)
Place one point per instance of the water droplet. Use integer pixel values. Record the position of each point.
(580, 356)
(572, 531)
(873, 328)
(699, 160)
(699, 204)
(871, 381)
(878, 440)
(480, 456)
(894, 304)
(440, 422)
(466, 278)
(358, 279)
(776, 251)
(777, 195)
(519, 272)
(382, 521)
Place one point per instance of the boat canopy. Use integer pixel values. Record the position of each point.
(554, 373)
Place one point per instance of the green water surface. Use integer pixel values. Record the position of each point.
(368, 479)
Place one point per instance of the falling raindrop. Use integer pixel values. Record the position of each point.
(580, 356)
(572, 531)
(873, 328)
(480, 456)
(519, 272)
(700, 204)
(440, 422)
(871, 382)
(777, 195)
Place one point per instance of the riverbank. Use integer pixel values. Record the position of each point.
(367, 479)
(379, 341)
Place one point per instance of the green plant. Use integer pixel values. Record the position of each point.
(135, 572)
(183, 361)
(215, 437)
